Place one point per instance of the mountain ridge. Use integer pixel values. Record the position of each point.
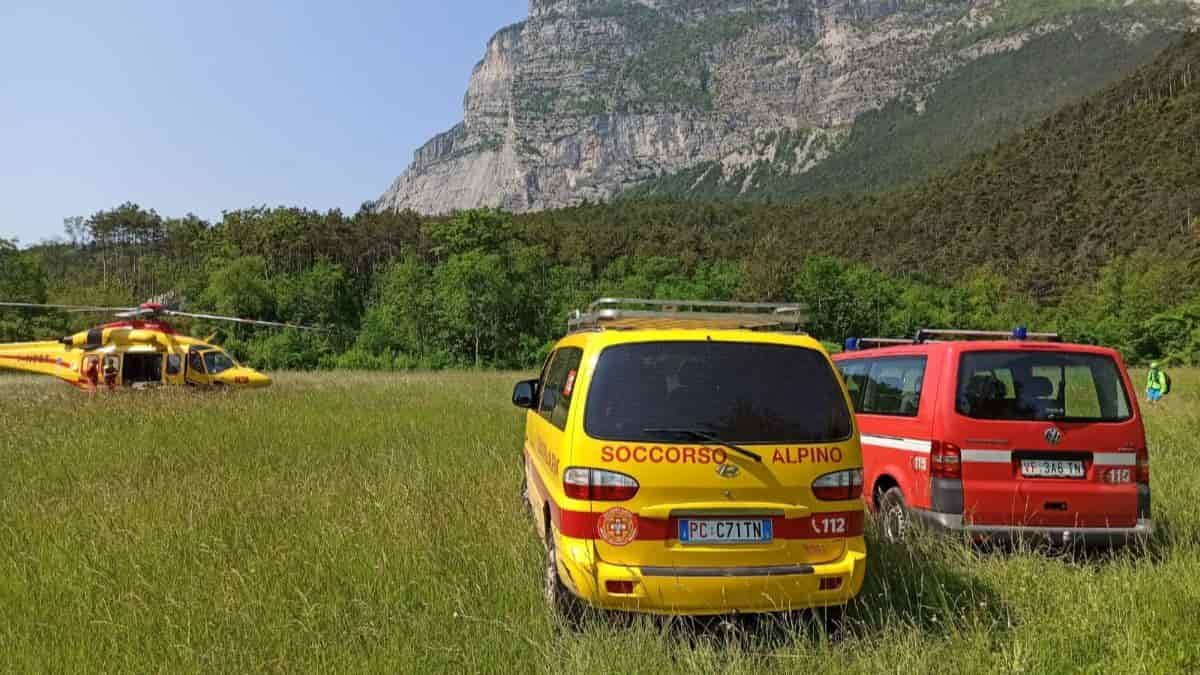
(589, 98)
(1100, 179)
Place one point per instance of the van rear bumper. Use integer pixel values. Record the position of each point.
(714, 591)
(1066, 536)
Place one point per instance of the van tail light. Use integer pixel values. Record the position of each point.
(839, 486)
(1143, 466)
(945, 461)
(831, 583)
(598, 485)
(619, 587)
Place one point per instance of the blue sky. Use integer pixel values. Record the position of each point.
(208, 106)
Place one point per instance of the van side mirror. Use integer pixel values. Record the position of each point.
(525, 394)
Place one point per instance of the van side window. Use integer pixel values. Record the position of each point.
(893, 387)
(559, 386)
(855, 375)
(545, 372)
(545, 403)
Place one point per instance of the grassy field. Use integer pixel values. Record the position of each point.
(366, 522)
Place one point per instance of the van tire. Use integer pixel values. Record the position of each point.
(833, 620)
(566, 608)
(895, 521)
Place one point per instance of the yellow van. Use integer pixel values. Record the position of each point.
(693, 458)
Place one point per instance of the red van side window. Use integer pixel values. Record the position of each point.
(886, 386)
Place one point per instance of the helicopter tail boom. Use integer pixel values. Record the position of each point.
(41, 358)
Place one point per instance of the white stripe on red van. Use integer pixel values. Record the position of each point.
(1005, 457)
(898, 443)
(1115, 459)
(987, 456)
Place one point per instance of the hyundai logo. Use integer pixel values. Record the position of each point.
(728, 471)
(1053, 436)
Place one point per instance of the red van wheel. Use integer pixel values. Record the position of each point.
(894, 519)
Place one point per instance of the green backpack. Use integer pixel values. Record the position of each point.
(1166, 379)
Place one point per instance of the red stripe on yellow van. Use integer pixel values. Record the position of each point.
(584, 524)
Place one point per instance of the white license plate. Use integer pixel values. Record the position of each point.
(725, 530)
(1051, 468)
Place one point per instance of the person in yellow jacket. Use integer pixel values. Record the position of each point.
(1156, 384)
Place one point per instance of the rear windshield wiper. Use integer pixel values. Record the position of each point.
(706, 436)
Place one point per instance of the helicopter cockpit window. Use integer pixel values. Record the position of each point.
(196, 362)
(218, 362)
(174, 364)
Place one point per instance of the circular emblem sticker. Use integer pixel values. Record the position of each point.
(617, 526)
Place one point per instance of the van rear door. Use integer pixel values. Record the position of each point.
(1049, 438)
(725, 440)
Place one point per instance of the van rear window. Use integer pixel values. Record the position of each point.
(1025, 385)
(740, 392)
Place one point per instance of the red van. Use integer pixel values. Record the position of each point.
(1000, 436)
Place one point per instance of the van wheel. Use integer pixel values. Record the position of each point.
(567, 608)
(894, 520)
(833, 620)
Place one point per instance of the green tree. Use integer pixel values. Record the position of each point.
(288, 350)
(844, 300)
(320, 295)
(399, 317)
(474, 305)
(475, 230)
(240, 288)
(22, 279)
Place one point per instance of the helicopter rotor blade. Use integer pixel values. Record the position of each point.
(69, 308)
(137, 313)
(251, 322)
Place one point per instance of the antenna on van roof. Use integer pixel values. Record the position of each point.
(644, 314)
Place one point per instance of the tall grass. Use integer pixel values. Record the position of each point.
(368, 522)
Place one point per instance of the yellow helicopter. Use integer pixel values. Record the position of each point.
(139, 350)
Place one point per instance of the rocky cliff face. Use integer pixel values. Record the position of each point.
(588, 98)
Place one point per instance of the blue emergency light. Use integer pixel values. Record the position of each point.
(1020, 333)
(851, 344)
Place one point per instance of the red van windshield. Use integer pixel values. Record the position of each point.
(1025, 385)
(739, 392)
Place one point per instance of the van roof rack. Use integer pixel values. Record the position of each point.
(925, 335)
(882, 342)
(1019, 333)
(644, 314)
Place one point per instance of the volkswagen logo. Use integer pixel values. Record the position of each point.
(728, 471)
(1053, 436)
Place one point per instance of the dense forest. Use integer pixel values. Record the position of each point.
(1087, 223)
